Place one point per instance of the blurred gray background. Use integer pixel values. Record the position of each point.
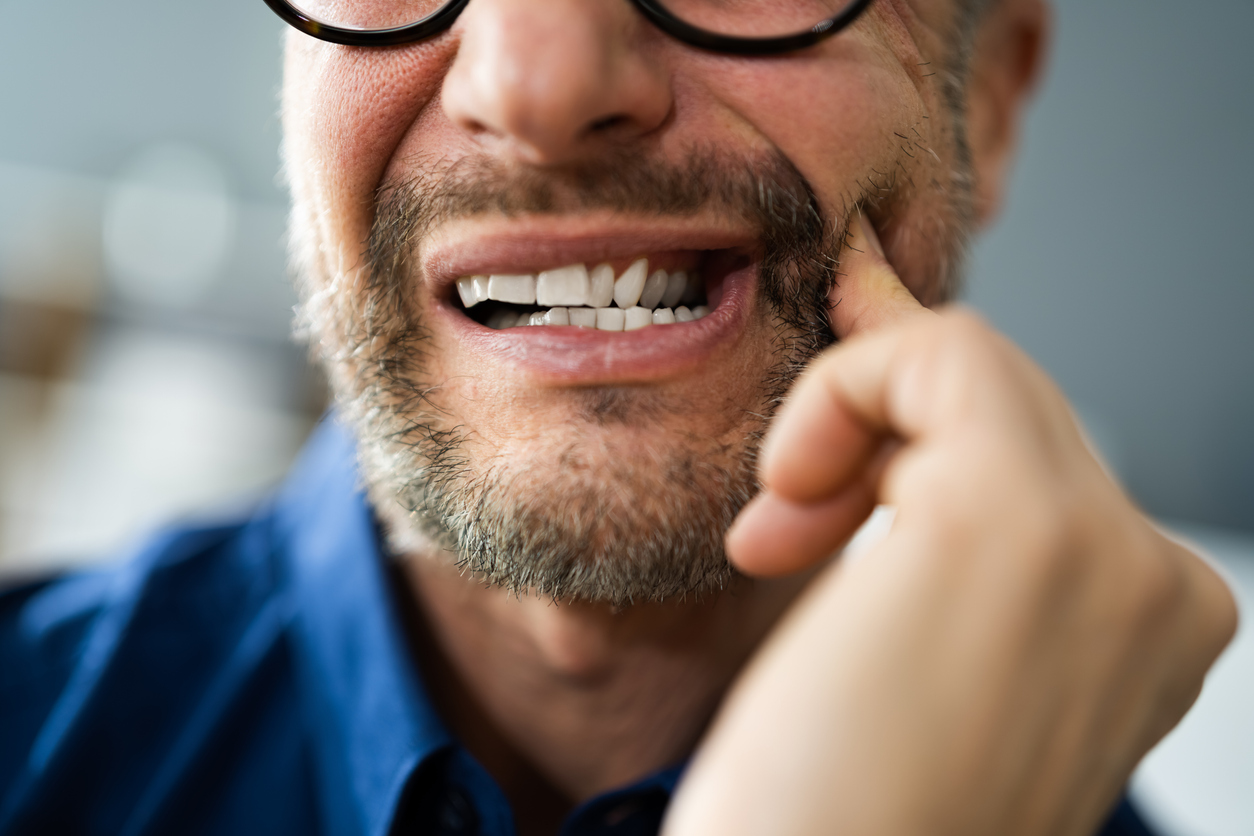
(146, 371)
(1121, 262)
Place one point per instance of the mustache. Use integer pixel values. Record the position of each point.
(764, 190)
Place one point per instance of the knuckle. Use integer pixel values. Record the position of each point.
(963, 328)
(1048, 527)
(1149, 582)
(1216, 612)
(958, 341)
(1044, 539)
(1160, 589)
(1223, 607)
(972, 496)
(1045, 521)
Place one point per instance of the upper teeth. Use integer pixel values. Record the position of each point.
(575, 286)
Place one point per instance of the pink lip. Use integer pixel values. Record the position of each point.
(571, 356)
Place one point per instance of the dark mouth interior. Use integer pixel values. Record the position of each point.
(484, 311)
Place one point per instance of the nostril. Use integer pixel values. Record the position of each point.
(608, 123)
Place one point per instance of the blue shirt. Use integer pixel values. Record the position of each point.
(251, 678)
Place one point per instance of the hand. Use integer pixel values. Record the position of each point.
(1004, 658)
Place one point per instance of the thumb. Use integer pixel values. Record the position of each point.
(868, 294)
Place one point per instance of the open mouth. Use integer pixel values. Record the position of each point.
(624, 296)
(612, 296)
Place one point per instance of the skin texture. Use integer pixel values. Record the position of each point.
(1012, 551)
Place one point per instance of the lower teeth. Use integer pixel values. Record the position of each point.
(602, 319)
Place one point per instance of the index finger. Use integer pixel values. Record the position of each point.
(868, 297)
(868, 293)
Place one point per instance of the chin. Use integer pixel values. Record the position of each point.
(599, 512)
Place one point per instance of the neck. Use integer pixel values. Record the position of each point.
(562, 701)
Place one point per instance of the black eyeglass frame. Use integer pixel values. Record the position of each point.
(657, 14)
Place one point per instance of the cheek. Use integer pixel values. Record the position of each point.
(835, 120)
(862, 121)
(346, 110)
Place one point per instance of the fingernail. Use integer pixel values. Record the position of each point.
(868, 232)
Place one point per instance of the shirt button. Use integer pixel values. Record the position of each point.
(456, 816)
(617, 815)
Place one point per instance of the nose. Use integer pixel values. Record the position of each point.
(549, 81)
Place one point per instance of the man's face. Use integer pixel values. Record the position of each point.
(535, 135)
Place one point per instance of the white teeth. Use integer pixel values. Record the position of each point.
(604, 319)
(466, 290)
(675, 287)
(610, 319)
(637, 317)
(517, 290)
(563, 286)
(654, 287)
(575, 286)
(574, 295)
(473, 290)
(629, 285)
(601, 287)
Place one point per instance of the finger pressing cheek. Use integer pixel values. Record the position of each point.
(868, 293)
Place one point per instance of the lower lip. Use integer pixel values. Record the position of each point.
(573, 356)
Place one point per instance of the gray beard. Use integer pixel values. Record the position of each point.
(649, 527)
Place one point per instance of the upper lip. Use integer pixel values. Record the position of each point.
(529, 245)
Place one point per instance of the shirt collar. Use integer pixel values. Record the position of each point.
(373, 726)
(362, 696)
